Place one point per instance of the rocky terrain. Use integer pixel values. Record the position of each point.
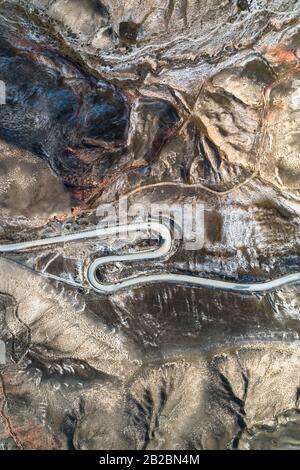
(164, 102)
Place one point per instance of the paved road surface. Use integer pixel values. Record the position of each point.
(160, 230)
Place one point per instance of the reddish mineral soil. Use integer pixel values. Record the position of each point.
(165, 102)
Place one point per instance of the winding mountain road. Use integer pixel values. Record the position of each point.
(163, 232)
